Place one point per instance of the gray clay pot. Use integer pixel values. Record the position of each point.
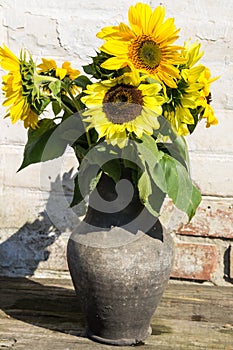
(119, 272)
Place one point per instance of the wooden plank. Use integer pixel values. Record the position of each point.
(167, 335)
(45, 314)
(197, 303)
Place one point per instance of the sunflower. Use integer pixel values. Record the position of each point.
(203, 78)
(183, 100)
(190, 100)
(51, 66)
(145, 45)
(123, 106)
(14, 88)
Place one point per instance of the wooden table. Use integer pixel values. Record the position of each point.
(44, 314)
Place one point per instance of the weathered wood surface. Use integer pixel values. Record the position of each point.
(45, 315)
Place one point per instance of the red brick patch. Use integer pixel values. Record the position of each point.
(195, 261)
(212, 219)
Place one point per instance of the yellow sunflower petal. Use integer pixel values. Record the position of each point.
(31, 120)
(139, 16)
(114, 45)
(156, 19)
(61, 73)
(72, 73)
(184, 115)
(210, 116)
(47, 65)
(8, 60)
(150, 89)
(114, 63)
(166, 30)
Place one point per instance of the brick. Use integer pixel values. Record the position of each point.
(195, 261)
(231, 261)
(214, 218)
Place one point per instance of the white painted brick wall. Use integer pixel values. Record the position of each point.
(65, 30)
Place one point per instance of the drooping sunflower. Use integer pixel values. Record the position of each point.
(145, 45)
(49, 67)
(122, 106)
(16, 92)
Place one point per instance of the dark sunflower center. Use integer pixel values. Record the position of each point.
(149, 54)
(122, 103)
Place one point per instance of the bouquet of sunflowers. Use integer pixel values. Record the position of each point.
(131, 107)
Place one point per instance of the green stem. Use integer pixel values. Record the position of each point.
(38, 79)
(66, 88)
(64, 106)
(73, 99)
(88, 138)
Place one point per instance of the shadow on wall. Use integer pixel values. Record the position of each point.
(21, 253)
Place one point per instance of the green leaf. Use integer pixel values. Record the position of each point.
(151, 195)
(97, 71)
(148, 150)
(182, 151)
(79, 150)
(56, 106)
(77, 196)
(144, 186)
(82, 81)
(165, 128)
(69, 103)
(172, 178)
(130, 157)
(101, 153)
(156, 199)
(148, 193)
(196, 114)
(88, 177)
(177, 149)
(107, 159)
(55, 87)
(35, 150)
(150, 208)
(113, 169)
